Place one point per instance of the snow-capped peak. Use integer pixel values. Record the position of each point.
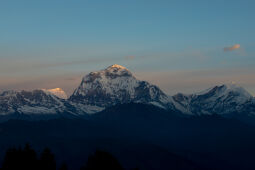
(226, 89)
(223, 99)
(116, 85)
(113, 80)
(117, 66)
(57, 92)
(116, 70)
(30, 102)
(111, 72)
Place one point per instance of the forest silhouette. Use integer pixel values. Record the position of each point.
(27, 158)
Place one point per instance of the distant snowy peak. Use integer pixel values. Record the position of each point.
(226, 89)
(226, 93)
(29, 102)
(57, 92)
(222, 99)
(116, 85)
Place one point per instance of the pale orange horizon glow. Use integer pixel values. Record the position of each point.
(171, 82)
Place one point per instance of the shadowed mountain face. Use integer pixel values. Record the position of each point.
(142, 136)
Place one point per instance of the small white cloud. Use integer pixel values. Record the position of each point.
(234, 47)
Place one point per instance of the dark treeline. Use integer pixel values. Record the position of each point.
(27, 158)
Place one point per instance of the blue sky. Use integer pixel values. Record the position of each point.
(47, 40)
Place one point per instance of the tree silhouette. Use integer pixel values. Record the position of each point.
(63, 167)
(29, 158)
(102, 160)
(11, 160)
(20, 159)
(26, 159)
(47, 160)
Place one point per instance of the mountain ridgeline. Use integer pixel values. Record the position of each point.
(117, 85)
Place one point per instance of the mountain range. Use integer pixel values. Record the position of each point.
(136, 121)
(117, 85)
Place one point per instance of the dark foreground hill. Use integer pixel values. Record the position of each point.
(142, 136)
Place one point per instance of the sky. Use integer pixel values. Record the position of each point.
(179, 45)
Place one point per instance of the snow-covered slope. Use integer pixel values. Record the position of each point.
(222, 99)
(116, 85)
(30, 102)
(57, 92)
